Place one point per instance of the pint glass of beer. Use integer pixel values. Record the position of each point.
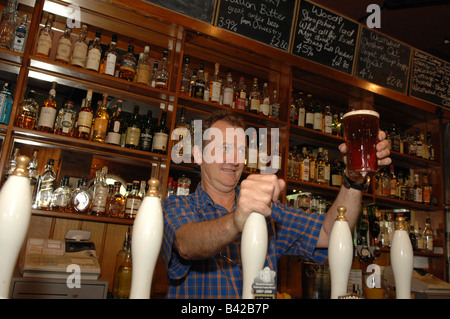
(361, 136)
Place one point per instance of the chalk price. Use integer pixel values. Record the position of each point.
(228, 24)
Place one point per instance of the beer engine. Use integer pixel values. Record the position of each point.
(340, 254)
(15, 215)
(146, 242)
(254, 242)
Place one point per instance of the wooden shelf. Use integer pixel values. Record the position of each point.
(100, 219)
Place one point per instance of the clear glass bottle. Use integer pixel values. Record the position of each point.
(109, 62)
(21, 35)
(254, 97)
(185, 77)
(64, 48)
(115, 126)
(61, 196)
(304, 165)
(85, 116)
(241, 95)
(162, 75)
(33, 174)
(101, 120)
(100, 193)
(124, 274)
(45, 38)
(6, 104)
(418, 191)
(133, 201)
(216, 85)
(275, 106)
(228, 91)
(65, 121)
(47, 115)
(133, 130)
(143, 70)
(318, 117)
(120, 257)
(46, 186)
(94, 53)
(116, 203)
(181, 130)
(428, 236)
(8, 25)
(80, 49)
(146, 139)
(327, 126)
(161, 135)
(27, 114)
(128, 65)
(81, 198)
(264, 104)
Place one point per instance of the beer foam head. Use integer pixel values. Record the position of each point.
(359, 112)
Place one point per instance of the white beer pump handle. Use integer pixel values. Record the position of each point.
(253, 251)
(15, 215)
(146, 242)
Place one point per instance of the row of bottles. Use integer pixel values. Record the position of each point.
(310, 203)
(314, 165)
(414, 142)
(91, 56)
(197, 83)
(13, 29)
(410, 186)
(105, 125)
(181, 186)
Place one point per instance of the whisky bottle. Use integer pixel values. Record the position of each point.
(8, 25)
(108, 65)
(120, 257)
(430, 147)
(300, 108)
(206, 93)
(228, 91)
(320, 167)
(45, 38)
(312, 166)
(33, 174)
(418, 191)
(61, 196)
(85, 117)
(143, 69)
(162, 75)
(80, 49)
(304, 165)
(123, 278)
(264, 105)
(199, 86)
(133, 201)
(146, 139)
(65, 121)
(101, 120)
(128, 65)
(427, 190)
(161, 136)
(6, 103)
(327, 120)
(21, 35)
(100, 193)
(241, 95)
(64, 48)
(185, 77)
(254, 97)
(46, 186)
(48, 112)
(115, 126)
(216, 85)
(293, 116)
(133, 130)
(309, 112)
(318, 120)
(28, 110)
(428, 236)
(275, 106)
(327, 172)
(81, 198)
(178, 137)
(393, 182)
(154, 72)
(116, 203)
(192, 83)
(94, 53)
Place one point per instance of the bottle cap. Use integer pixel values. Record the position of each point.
(21, 169)
(153, 184)
(341, 213)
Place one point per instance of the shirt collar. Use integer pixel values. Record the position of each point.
(204, 199)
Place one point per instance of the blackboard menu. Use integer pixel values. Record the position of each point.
(267, 21)
(198, 9)
(325, 37)
(430, 79)
(383, 61)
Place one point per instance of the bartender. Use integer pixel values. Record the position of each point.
(202, 231)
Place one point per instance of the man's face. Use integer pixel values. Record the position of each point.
(222, 161)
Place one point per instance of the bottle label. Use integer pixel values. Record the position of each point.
(309, 118)
(146, 141)
(44, 44)
(215, 91)
(100, 198)
(100, 126)
(254, 104)
(19, 40)
(240, 102)
(317, 121)
(132, 206)
(183, 189)
(133, 135)
(110, 64)
(93, 59)
(328, 121)
(79, 54)
(143, 74)
(64, 49)
(160, 141)
(228, 96)
(113, 138)
(301, 117)
(264, 108)
(84, 121)
(47, 117)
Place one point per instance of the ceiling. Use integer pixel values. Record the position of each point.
(422, 24)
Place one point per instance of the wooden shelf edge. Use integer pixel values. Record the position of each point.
(99, 219)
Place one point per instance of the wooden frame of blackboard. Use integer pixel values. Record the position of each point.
(405, 91)
(296, 21)
(411, 75)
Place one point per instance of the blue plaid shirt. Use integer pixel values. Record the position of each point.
(290, 231)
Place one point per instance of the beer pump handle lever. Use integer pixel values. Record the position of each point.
(253, 251)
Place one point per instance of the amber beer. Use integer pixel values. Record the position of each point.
(361, 136)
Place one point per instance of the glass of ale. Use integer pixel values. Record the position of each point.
(361, 137)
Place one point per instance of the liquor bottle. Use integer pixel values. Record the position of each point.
(411, 144)
(142, 189)
(61, 196)
(85, 117)
(304, 165)
(45, 38)
(6, 103)
(296, 166)
(28, 109)
(65, 121)
(320, 167)
(412, 237)
(185, 77)
(48, 112)
(101, 120)
(12, 164)
(162, 75)
(207, 93)
(419, 144)
(318, 117)
(264, 105)
(254, 97)
(300, 109)
(241, 95)
(420, 242)
(64, 48)
(395, 139)
(108, 65)
(418, 191)
(128, 64)
(80, 49)
(46, 186)
(393, 182)
(133, 130)
(115, 126)
(124, 276)
(199, 85)
(293, 114)
(116, 203)
(170, 187)
(276, 158)
(275, 106)
(179, 135)
(160, 136)
(427, 190)
(252, 153)
(262, 153)
(216, 85)
(183, 185)
(402, 189)
(143, 69)
(309, 112)
(327, 120)
(312, 166)
(428, 236)
(8, 25)
(327, 170)
(430, 147)
(33, 174)
(21, 35)
(133, 201)
(336, 176)
(336, 125)
(100, 193)
(154, 72)
(94, 53)
(120, 257)
(81, 198)
(146, 139)
(228, 91)
(192, 83)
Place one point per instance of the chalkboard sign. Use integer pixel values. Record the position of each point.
(325, 37)
(198, 9)
(266, 21)
(430, 79)
(383, 60)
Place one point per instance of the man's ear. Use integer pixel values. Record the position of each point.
(197, 152)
